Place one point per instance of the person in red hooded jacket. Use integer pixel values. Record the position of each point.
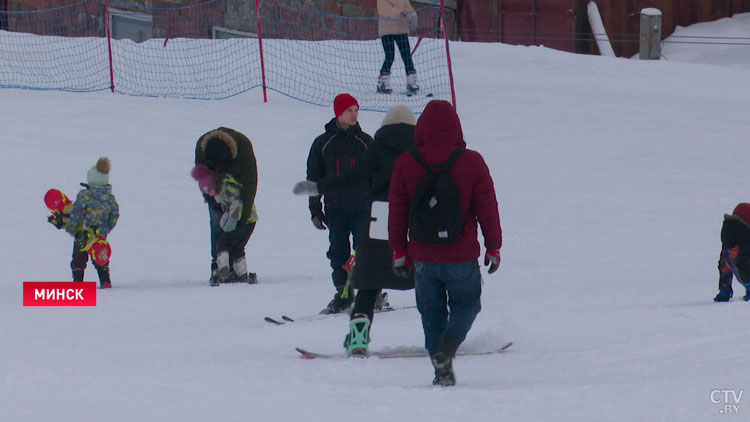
(734, 259)
(447, 277)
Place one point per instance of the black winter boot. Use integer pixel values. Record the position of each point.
(77, 275)
(443, 365)
(104, 281)
(341, 302)
(723, 296)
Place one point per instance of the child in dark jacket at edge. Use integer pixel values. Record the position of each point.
(734, 260)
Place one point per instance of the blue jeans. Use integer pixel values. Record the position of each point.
(214, 216)
(448, 298)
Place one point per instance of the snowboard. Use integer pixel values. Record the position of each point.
(397, 353)
(56, 200)
(60, 207)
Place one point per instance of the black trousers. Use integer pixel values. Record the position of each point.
(365, 302)
(342, 224)
(234, 242)
(78, 265)
(402, 42)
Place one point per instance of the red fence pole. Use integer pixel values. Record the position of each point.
(260, 43)
(448, 52)
(109, 46)
(415, 47)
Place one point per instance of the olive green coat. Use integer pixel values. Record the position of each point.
(242, 165)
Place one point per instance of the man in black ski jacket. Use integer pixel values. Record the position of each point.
(372, 269)
(337, 153)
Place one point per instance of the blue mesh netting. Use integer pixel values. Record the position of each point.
(308, 54)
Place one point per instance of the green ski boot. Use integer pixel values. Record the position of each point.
(359, 336)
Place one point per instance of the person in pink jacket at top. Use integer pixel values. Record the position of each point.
(397, 18)
(447, 277)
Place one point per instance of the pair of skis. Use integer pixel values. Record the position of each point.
(285, 318)
(398, 353)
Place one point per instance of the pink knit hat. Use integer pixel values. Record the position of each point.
(205, 178)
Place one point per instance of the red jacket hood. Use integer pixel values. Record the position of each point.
(438, 132)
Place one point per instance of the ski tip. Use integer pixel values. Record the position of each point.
(286, 318)
(304, 354)
(272, 321)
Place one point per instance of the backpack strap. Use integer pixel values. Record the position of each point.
(419, 159)
(453, 158)
(438, 168)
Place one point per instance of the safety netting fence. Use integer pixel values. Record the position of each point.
(218, 49)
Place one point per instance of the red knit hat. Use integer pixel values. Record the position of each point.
(342, 102)
(742, 210)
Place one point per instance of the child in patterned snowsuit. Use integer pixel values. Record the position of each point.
(95, 211)
(226, 190)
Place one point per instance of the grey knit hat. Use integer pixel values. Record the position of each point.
(99, 174)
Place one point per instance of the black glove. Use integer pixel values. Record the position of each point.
(82, 239)
(58, 219)
(316, 210)
(319, 222)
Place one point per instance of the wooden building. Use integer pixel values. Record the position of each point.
(559, 24)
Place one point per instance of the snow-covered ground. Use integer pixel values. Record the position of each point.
(612, 176)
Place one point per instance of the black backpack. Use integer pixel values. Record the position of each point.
(435, 212)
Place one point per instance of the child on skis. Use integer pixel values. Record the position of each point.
(95, 213)
(225, 189)
(735, 252)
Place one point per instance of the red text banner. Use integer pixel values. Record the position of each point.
(59, 293)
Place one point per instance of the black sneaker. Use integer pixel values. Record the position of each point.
(723, 296)
(443, 365)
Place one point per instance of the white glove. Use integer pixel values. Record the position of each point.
(305, 188)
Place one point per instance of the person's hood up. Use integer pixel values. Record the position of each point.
(438, 132)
